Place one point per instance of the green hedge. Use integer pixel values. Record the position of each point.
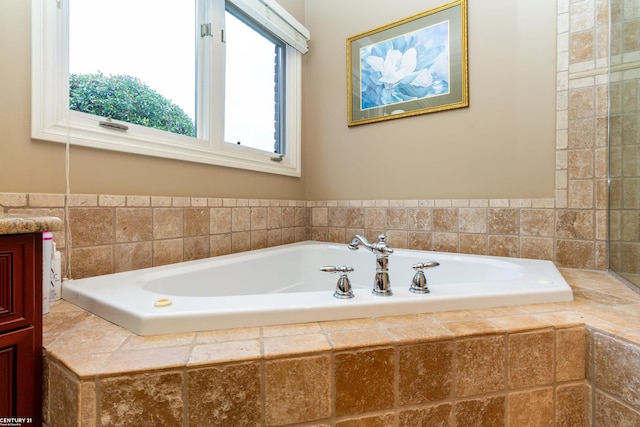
(127, 99)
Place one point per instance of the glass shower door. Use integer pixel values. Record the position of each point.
(624, 140)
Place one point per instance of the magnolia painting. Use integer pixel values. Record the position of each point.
(406, 68)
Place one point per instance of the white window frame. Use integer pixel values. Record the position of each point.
(52, 120)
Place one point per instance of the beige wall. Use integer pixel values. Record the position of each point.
(36, 166)
(503, 146)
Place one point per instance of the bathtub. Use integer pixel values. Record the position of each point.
(284, 285)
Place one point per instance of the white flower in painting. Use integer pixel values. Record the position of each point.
(423, 78)
(397, 65)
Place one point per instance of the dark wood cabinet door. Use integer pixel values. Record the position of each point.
(20, 281)
(20, 376)
(21, 327)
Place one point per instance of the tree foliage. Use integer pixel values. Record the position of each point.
(128, 99)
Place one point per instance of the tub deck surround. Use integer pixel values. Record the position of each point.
(284, 285)
(587, 351)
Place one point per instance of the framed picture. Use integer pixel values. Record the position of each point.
(414, 66)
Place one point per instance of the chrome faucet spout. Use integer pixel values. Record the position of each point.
(381, 282)
(357, 241)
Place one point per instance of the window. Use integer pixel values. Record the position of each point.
(227, 74)
(254, 77)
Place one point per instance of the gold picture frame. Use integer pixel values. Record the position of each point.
(414, 66)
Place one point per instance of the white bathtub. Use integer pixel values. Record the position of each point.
(285, 285)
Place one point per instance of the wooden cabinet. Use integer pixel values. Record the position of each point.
(21, 326)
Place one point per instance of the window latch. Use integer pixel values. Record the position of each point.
(112, 125)
(205, 30)
(278, 159)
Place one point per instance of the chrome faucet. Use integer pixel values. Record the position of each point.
(381, 283)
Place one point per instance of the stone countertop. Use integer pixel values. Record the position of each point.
(90, 346)
(22, 224)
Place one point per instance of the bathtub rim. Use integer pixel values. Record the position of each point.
(152, 321)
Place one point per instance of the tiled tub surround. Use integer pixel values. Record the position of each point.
(567, 364)
(111, 233)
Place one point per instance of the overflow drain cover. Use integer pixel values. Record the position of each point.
(162, 302)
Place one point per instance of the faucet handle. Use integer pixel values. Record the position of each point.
(343, 287)
(419, 282)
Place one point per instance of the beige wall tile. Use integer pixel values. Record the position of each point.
(375, 218)
(581, 194)
(337, 216)
(575, 254)
(283, 381)
(504, 246)
(537, 222)
(570, 354)
(396, 218)
(11, 200)
(93, 261)
(581, 133)
(133, 256)
(419, 240)
(581, 164)
(146, 399)
(608, 411)
(240, 242)
(480, 365)
(274, 237)
(320, 216)
(570, 405)
(487, 411)
(472, 220)
(220, 220)
(575, 224)
(240, 219)
(364, 373)
(64, 393)
(531, 408)
(301, 216)
(134, 224)
(196, 248)
(258, 239)
(168, 251)
(445, 220)
(168, 223)
(536, 247)
(445, 242)
(530, 359)
(616, 368)
(274, 217)
(504, 221)
(419, 219)
(91, 226)
(259, 218)
(473, 244)
(425, 372)
(220, 244)
(196, 222)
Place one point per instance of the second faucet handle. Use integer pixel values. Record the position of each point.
(419, 282)
(343, 287)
